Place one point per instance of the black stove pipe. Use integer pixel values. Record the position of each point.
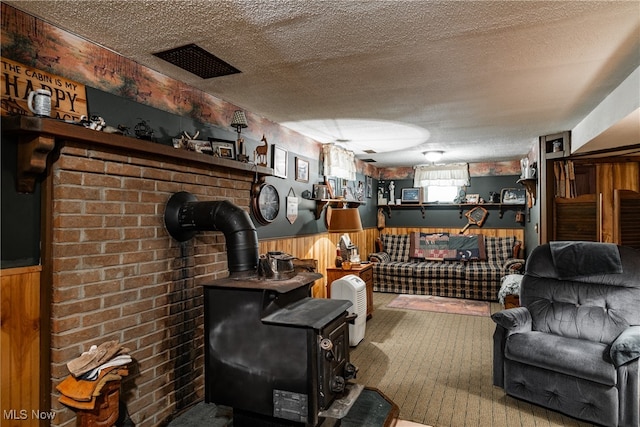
(184, 216)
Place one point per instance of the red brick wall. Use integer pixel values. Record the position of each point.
(117, 274)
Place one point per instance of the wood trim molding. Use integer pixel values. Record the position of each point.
(33, 151)
(38, 137)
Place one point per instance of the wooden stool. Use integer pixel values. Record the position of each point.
(106, 411)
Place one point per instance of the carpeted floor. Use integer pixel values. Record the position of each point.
(210, 415)
(437, 368)
(441, 305)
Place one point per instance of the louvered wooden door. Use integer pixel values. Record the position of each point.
(576, 218)
(626, 225)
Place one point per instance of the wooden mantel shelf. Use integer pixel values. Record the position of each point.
(38, 137)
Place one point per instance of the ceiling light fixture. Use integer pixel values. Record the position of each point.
(433, 156)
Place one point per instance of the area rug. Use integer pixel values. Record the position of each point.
(403, 423)
(442, 305)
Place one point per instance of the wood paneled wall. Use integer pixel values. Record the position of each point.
(610, 177)
(20, 344)
(322, 247)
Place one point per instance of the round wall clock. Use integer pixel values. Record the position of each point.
(266, 204)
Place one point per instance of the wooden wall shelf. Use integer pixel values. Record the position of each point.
(530, 185)
(323, 203)
(38, 137)
(461, 206)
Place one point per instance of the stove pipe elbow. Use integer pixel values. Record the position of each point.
(184, 216)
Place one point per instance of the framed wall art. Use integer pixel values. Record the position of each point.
(302, 170)
(513, 196)
(279, 161)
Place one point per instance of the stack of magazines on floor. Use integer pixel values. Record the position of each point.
(91, 371)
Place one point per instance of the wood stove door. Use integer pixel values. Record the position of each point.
(333, 359)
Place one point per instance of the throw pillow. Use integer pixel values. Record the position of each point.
(397, 246)
(499, 249)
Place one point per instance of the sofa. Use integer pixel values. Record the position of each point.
(574, 343)
(442, 264)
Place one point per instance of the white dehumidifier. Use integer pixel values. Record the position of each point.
(353, 288)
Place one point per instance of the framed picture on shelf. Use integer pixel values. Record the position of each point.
(331, 187)
(513, 196)
(279, 161)
(223, 148)
(472, 198)
(348, 193)
(411, 195)
(359, 191)
(302, 170)
(369, 187)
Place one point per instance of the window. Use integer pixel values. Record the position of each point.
(439, 193)
(338, 162)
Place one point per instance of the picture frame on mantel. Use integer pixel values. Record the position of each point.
(279, 161)
(223, 148)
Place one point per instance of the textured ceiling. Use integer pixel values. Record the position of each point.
(479, 80)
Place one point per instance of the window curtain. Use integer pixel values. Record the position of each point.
(339, 162)
(441, 175)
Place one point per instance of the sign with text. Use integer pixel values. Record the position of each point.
(68, 98)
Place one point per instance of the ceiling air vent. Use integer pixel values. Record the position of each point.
(198, 61)
(368, 160)
(369, 151)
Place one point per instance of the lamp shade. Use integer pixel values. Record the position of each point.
(239, 120)
(345, 220)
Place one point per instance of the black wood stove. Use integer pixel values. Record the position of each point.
(273, 353)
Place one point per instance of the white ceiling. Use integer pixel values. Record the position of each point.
(479, 80)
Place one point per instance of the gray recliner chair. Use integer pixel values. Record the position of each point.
(574, 343)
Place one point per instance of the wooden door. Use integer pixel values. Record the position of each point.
(576, 218)
(626, 218)
(20, 345)
(612, 176)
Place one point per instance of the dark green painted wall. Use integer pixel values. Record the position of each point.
(449, 216)
(21, 212)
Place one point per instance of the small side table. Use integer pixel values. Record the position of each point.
(364, 271)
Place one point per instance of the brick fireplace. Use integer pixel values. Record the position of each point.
(114, 271)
